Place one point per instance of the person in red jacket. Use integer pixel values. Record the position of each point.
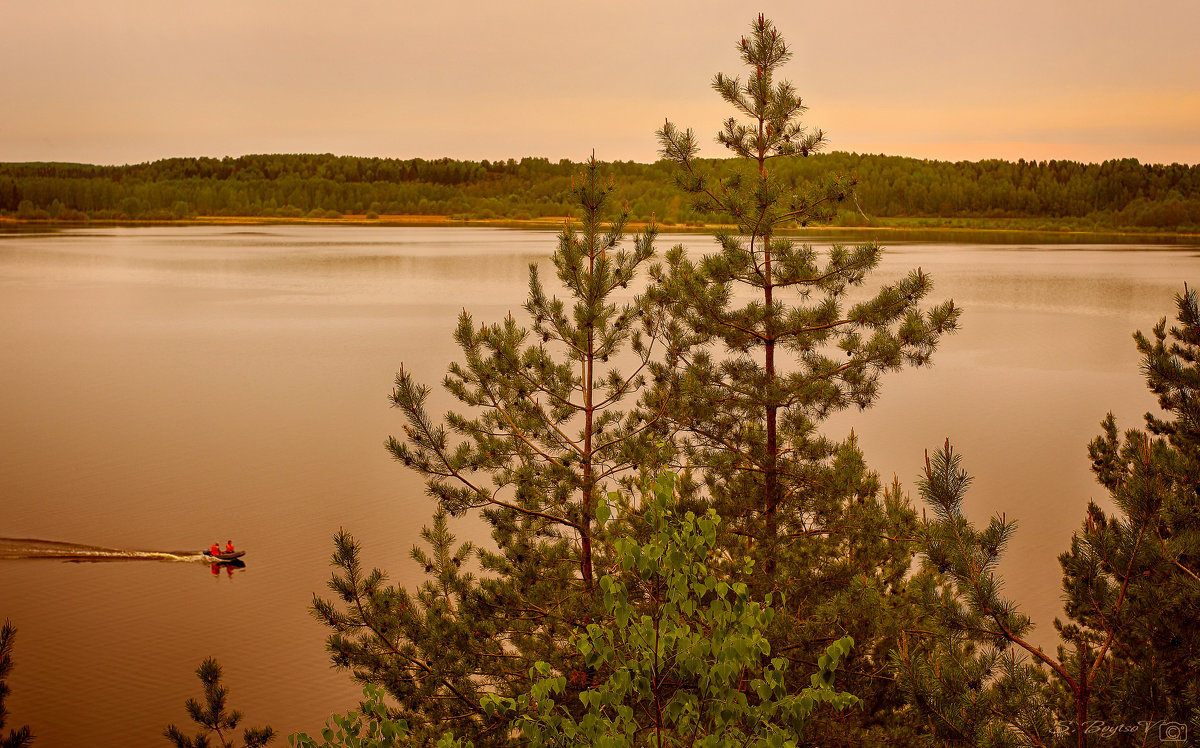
(214, 549)
(229, 546)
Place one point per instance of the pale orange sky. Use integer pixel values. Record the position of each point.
(124, 81)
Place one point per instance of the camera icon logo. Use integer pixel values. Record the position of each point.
(1173, 732)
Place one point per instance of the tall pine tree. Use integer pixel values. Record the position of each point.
(546, 429)
(769, 344)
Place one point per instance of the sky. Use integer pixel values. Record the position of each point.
(127, 81)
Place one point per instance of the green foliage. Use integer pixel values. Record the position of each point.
(22, 736)
(213, 718)
(677, 656)
(371, 727)
(685, 652)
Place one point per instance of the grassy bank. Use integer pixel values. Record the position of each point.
(957, 230)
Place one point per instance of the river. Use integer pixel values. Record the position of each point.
(165, 388)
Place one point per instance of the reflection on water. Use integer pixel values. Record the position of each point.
(164, 387)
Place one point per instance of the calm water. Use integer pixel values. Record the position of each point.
(166, 388)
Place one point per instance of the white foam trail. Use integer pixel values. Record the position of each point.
(32, 548)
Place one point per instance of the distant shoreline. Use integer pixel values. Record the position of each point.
(890, 194)
(961, 229)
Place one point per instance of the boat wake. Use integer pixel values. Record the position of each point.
(12, 549)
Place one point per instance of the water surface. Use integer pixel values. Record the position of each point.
(167, 388)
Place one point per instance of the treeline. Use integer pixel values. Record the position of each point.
(1119, 194)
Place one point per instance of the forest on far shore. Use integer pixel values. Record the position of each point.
(1117, 195)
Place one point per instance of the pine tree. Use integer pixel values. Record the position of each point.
(1130, 649)
(1131, 578)
(551, 429)
(545, 433)
(434, 649)
(369, 726)
(768, 345)
(968, 667)
(22, 736)
(213, 717)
